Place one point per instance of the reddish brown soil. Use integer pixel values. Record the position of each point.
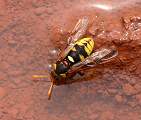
(29, 32)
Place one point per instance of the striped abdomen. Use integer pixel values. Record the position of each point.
(82, 49)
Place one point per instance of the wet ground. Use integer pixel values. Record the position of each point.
(30, 30)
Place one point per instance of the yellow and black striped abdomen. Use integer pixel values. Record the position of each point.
(82, 49)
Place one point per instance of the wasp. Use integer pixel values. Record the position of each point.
(79, 54)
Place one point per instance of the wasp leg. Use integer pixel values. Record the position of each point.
(81, 73)
(76, 71)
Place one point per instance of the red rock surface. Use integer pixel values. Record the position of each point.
(29, 32)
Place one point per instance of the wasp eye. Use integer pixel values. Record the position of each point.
(54, 66)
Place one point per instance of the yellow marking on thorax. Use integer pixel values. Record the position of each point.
(63, 75)
(81, 57)
(54, 66)
(70, 58)
(73, 49)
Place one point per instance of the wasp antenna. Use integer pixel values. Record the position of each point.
(50, 91)
(39, 76)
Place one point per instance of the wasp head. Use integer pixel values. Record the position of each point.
(60, 69)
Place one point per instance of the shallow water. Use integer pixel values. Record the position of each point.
(39, 29)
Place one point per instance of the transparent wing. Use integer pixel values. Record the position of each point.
(99, 57)
(78, 32)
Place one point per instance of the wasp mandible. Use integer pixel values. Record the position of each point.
(79, 54)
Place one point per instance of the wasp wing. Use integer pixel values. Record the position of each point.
(78, 32)
(102, 56)
(99, 57)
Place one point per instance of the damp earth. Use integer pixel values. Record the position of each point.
(33, 32)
